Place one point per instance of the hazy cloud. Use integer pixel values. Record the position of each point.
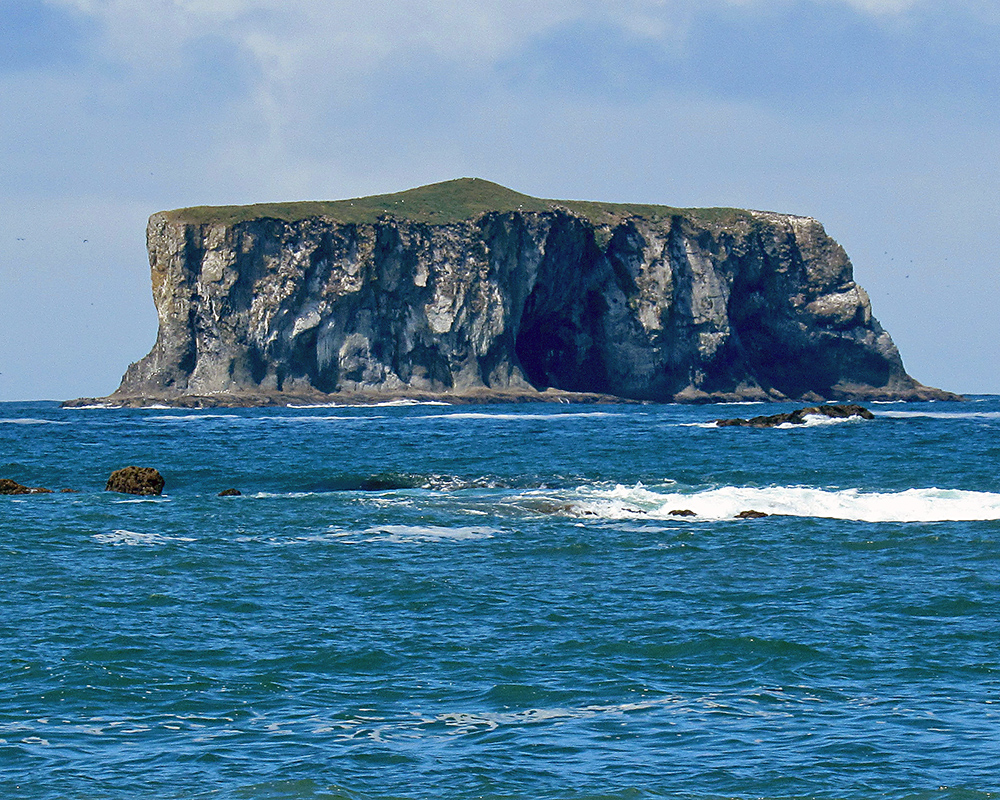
(881, 118)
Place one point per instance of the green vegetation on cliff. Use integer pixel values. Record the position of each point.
(442, 203)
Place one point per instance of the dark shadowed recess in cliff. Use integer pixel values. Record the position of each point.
(559, 341)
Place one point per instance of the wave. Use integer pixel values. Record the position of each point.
(393, 534)
(190, 417)
(252, 420)
(119, 538)
(507, 416)
(911, 505)
(384, 404)
(33, 421)
(389, 482)
(809, 421)
(426, 534)
(941, 414)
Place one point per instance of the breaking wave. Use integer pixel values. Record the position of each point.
(119, 538)
(911, 505)
(33, 421)
(922, 414)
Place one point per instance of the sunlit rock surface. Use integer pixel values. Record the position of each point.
(470, 290)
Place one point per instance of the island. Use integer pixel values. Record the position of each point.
(468, 291)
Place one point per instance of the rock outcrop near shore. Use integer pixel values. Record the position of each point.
(798, 417)
(470, 290)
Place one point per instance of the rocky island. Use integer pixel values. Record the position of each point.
(469, 291)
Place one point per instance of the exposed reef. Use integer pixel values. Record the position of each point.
(798, 417)
(471, 292)
(136, 480)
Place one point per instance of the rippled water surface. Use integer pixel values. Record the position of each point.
(496, 602)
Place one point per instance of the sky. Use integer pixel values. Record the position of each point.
(881, 118)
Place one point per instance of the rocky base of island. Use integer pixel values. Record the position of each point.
(479, 397)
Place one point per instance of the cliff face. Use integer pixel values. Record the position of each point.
(639, 302)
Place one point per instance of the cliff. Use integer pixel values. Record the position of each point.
(471, 290)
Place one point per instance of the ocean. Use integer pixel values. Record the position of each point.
(456, 602)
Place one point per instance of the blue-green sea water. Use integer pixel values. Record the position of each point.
(426, 601)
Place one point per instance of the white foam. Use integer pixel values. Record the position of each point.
(941, 414)
(143, 500)
(323, 418)
(119, 538)
(182, 418)
(808, 421)
(409, 402)
(819, 421)
(409, 534)
(190, 417)
(32, 421)
(911, 505)
(487, 415)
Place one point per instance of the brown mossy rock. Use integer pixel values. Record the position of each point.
(7, 486)
(798, 417)
(136, 480)
(682, 512)
(751, 514)
(230, 493)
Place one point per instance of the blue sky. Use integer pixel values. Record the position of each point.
(878, 117)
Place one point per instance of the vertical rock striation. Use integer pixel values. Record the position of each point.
(466, 288)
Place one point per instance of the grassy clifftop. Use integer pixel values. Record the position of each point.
(442, 203)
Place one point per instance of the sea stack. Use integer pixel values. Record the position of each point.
(467, 290)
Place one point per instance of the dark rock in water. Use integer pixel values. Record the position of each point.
(67, 491)
(7, 486)
(136, 480)
(466, 290)
(230, 493)
(751, 514)
(682, 512)
(798, 417)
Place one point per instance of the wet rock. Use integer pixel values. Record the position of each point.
(798, 417)
(7, 486)
(230, 493)
(682, 512)
(136, 480)
(751, 514)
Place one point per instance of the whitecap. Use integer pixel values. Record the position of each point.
(941, 414)
(487, 415)
(912, 505)
(409, 402)
(808, 421)
(190, 417)
(121, 537)
(318, 418)
(143, 499)
(33, 421)
(819, 421)
(427, 534)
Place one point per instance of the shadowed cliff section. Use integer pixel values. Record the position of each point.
(471, 291)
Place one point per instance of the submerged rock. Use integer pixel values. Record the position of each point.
(467, 289)
(230, 493)
(798, 417)
(751, 514)
(136, 480)
(7, 486)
